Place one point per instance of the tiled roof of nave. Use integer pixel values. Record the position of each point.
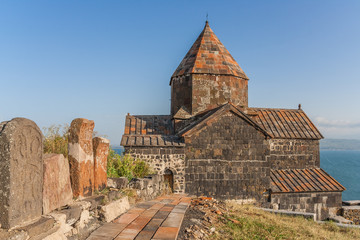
(303, 180)
(149, 130)
(148, 124)
(285, 123)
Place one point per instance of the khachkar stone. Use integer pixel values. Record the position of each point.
(81, 157)
(21, 172)
(101, 151)
(57, 187)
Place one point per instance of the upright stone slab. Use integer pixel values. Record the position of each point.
(81, 157)
(57, 187)
(21, 172)
(101, 152)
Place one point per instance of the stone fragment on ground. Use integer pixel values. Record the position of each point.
(57, 190)
(21, 174)
(114, 209)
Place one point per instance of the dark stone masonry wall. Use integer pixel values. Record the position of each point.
(162, 158)
(320, 203)
(181, 93)
(210, 91)
(226, 160)
(294, 154)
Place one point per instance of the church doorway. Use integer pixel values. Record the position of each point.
(169, 178)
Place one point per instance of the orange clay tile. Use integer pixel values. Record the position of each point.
(208, 55)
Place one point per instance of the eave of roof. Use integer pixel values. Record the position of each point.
(151, 141)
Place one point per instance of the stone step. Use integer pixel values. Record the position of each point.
(291, 213)
(340, 219)
(351, 203)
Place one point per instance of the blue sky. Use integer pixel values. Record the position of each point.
(60, 60)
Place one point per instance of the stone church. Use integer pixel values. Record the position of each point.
(214, 144)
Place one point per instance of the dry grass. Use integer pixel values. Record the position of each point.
(247, 222)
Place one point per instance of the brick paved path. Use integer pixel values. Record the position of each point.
(157, 219)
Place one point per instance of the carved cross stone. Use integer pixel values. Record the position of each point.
(81, 157)
(21, 172)
(101, 152)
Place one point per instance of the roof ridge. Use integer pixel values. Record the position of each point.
(263, 108)
(149, 115)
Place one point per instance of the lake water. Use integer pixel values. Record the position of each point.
(344, 166)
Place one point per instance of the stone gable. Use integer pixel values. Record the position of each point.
(227, 159)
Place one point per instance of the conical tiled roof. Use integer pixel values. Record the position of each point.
(208, 55)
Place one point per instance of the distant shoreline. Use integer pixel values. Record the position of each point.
(338, 150)
(340, 144)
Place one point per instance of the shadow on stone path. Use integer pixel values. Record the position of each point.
(156, 219)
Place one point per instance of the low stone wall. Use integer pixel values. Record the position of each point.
(146, 188)
(162, 159)
(119, 183)
(149, 187)
(321, 203)
(74, 221)
(351, 213)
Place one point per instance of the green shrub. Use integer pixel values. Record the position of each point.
(126, 166)
(56, 138)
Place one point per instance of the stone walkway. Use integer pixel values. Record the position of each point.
(157, 219)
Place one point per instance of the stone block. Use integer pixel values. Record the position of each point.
(38, 227)
(72, 213)
(57, 190)
(352, 203)
(60, 219)
(118, 183)
(95, 201)
(101, 152)
(114, 209)
(81, 157)
(21, 172)
(13, 235)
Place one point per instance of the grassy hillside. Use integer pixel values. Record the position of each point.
(207, 218)
(247, 222)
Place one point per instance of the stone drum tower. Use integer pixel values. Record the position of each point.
(206, 78)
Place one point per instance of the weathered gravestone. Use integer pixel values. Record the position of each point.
(57, 187)
(21, 172)
(101, 151)
(81, 157)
